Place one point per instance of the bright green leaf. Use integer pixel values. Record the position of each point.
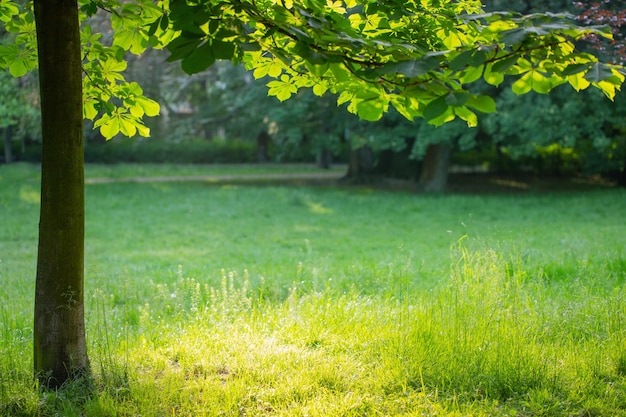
(467, 115)
(320, 88)
(372, 109)
(109, 126)
(484, 104)
(282, 89)
(18, 67)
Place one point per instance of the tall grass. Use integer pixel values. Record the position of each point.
(205, 301)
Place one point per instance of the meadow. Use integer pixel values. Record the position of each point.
(232, 300)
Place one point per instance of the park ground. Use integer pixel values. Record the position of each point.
(218, 296)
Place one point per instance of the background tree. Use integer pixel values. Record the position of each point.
(417, 58)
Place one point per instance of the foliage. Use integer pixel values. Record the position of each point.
(417, 60)
(582, 123)
(19, 107)
(416, 57)
(117, 106)
(612, 14)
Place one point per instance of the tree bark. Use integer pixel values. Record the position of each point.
(434, 176)
(60, 351)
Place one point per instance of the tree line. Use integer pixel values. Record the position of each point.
(562, 133)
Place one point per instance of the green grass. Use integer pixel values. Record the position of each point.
(207, 300)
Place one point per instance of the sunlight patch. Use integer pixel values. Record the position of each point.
(30, 195)
(318, 208)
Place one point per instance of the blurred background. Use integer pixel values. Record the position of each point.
(224, 115)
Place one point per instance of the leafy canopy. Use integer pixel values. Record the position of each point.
(419, 56)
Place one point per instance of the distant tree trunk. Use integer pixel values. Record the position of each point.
(8, 152)
(262, 148)
(434, 175)
(324, 158)
(60, 351)
(361, 167)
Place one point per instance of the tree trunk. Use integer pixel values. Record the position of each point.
(60, 351)
(324, 158)
(263, 140)
(8, 152)
(434, 176)
(361, 169)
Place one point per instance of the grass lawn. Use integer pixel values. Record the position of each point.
(206, 300)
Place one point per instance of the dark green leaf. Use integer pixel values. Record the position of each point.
(574, 69)
(598, 72)
(182, 46)
(436, 108)
(413, 68)
(214, 25)
(501, 65)
(223, 50)
(460, 61)
(199, 59)
(514, 36)
(164, 22)
(456, 98)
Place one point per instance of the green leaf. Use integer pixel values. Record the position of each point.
(467, 115)
(130, 39)
(471, 74)
(182, 46)
(412, 68)
(18, 67)
(371, 109)
(445, 117)
(493, 78)
(269, 67)
(457, 98)
(501, 65)
(341, 73)
(575, 69)
(320, 88)
(199, 59)
(90, 110)
(223, 50)
(598, 72)
(514, 36)
(109, 126)
(460, 61)
(532, 80)
(112, 68)
(150, 107)
(127, 127)
(484, 104)
(282, 89)
(578, 81)
(469, 58)
(436, 108)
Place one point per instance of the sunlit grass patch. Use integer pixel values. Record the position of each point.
(491, 340)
